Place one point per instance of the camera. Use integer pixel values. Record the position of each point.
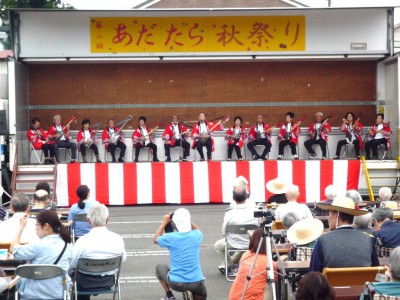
(262, 212)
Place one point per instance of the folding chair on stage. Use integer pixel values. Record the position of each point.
(39, 159)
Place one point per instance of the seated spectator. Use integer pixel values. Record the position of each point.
(314, 286)
(256, 287)
(53, 248)
(41, 201)
(330, 194)
(242, 214)
(289, 220)
(387, 231)
(242, 181)
(385, 194)
(391, 288)
(278, 188)
(301, 210)
(19, 204)
(43, 185)
(98, 243)
(184, 273)
(82, 207)
(305, 234)
(363, 223)
(344, 246)
(355, 196)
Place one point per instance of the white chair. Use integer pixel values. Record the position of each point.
(41, 272)
(318, 146)
(36, 154)
(346, 151)
(382, 152)
(107, 156)
(94, 266)
(149, 153)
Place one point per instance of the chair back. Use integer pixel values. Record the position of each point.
(80, 217)
(351, 276)
(383, 251)
(94, 265)
(239, 229)
(385, 297)
(39, 272)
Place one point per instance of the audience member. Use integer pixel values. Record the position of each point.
(387, 231)
(43, 185)
(278, 188)
(19, 204)
(344, 246)
(184, 273)
(41, 201)
(355, 196)
(394, 206)
(385, 194)
(305, 234)
(289, 220)
(391, 288)
(82, 207)
(98, 243)
(314, 286)
(330, 194)
(301, 210)
(53, 248)
(363, 223)
(256, 287)
(242, 214)
(242, 181)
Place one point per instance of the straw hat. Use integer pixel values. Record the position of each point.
(305, 231)
(342, 204)
(276, 186)
(392, 205)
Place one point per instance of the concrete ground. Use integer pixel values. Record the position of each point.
(137, 226)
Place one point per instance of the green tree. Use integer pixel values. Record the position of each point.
(35, 4)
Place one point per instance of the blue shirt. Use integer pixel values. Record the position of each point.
(386, 288)
(184, 251)
(81, 228)
(44, 251)
(389, 234)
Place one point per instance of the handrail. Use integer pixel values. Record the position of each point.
(367, 179)
(54, 196)
(15, 170)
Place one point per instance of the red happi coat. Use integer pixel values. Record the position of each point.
(105, 136)
(196, 133)
(80, 137)
(295, 133)
(357, 132)
(37, 141)
(239, 142)
(138, 134)
(253, 132)
(53, 131)
(169, 134)
(386, 132)
(324, 134)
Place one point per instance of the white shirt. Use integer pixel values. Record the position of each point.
(86, 135)
(202, 128)
(379, 135)
(241, 214)
(98, 243)
(317, 126)
(175, 130)
(59, 128)
(111, 130)
(9, 229)
(145, 134)
(301, 210)
(260, 128)
(351, 131)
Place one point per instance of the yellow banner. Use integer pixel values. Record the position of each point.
(198, 34)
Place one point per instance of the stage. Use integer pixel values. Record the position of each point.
(200, 182)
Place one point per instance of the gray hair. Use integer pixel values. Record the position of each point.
(363, 221)
(292, 192)
(381, 214)
(20, 202)
(319, 114)
(289, 219)
(394, 263)
(355, 196)
(55, 117)
(330, 192)
(385, 193)
(98, 215)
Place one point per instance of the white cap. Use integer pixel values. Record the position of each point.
(181, 219)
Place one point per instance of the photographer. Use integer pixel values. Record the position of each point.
(184, 246)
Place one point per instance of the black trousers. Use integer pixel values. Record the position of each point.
(285, 143)
(341, 143)
(185, 146)
(112, 147)
(152, 146)
(308, 144)
(67, 145)
(237, 150)
(48, 148)
(374, 145)
(83, 148)
(263, 142)
(199, 146)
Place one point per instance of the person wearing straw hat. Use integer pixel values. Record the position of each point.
(387, 231)
(277, 187)
(301, 210)
(344, 246)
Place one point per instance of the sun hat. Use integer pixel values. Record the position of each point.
(276, 186)
(344, 205)
(392, 205)
(181, 219)
(305, 231)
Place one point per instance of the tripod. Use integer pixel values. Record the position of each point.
(267, 238)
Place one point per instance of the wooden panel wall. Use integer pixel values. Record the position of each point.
(190, 83)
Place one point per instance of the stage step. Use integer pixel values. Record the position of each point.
(29, 175)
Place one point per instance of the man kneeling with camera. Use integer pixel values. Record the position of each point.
(184, 274)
